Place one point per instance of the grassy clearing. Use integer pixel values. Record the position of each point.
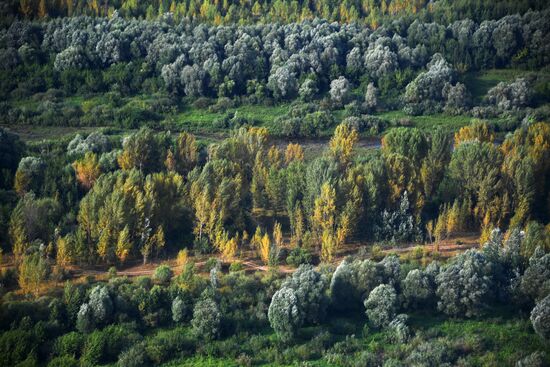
(479, 83)
(429, 122)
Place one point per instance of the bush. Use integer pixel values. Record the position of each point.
(419, 286)
(465, 286)
(206, 319)
(167, 345)
(399, 331)
(299, 256)
(69, 344)
(381, 305)
(180, 309)
(540, 318)
(310, 287)
(285, 315)
(163, 274)
(135, 356)
(236, 266)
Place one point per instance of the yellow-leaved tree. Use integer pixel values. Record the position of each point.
(342, 143)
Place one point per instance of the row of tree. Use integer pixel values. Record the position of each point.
(157, 193)
(367, 11)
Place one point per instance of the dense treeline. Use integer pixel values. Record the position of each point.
(372, 12)
(96, 200)
(408, 64)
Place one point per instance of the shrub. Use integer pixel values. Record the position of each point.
(381, 305)
(535, 282)
(135, 356)
(540, 318)
(299, 256)
(464, 287)
(183, 257)
(180, 309)
(419, 286)
(310, 289)
(236, 266)
(163, 274)
(69, 344)
(167, 345)
(535, 359)
(94, 348)
(285, 315)
(399, 331)
(206, 319)
(432, 353)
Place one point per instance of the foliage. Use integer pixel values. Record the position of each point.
(284, 314)
(465, 287)
(540, 317)
(206, 319)
(381, 305)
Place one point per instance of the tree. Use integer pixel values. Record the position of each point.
(124, 245)
(310, 290)
(477, 131)
(399, 225)
(33, 271)
(153, 244)
(419, 286)
(97, 311)
(180, 310)
(142, 150)
(163, 274)
(535, 235)
(206, 319)
(282, 82)
(371, 97)
(540, 318)
(87, 170)
(535, 282)
(510, 96)
(308, 89)
(411, 143)
(465, 287)
(339, 90)
(343, 142)
(32, 221)
(186, 153)
(67, 250)
(324, 220)
(30, 175)
(284, 314)
(381, 305)
(96, 143)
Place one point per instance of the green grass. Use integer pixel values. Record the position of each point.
(202, 362)
(201, 120)
(479, 83)
(500, 339)
(429, 122)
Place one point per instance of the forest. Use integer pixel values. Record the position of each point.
(274, 183)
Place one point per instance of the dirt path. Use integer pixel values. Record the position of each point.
(447, 248)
